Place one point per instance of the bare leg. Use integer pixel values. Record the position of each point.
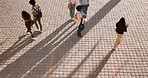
(31, 34)
(118, 40)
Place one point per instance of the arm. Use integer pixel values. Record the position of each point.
(69, 4)
(116, 25)
(21, 18)
(83, 15)
(125, 29)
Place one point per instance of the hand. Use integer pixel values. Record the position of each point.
(21, 19)
(84, 16)
(127, 25)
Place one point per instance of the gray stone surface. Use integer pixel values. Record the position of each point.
(59, 53)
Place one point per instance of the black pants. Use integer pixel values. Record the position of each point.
(80, 28)
(39, 21)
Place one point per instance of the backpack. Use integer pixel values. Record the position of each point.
(38, 13)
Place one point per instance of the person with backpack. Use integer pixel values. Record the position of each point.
(37, 14)
(28, 22)
(71, 6)
(121, 27)
(79, 20)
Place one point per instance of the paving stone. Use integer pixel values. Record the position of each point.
(57, 52)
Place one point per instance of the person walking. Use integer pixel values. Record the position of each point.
(28, 22)
(85, 5)
(71, 6)
(79, 21)
(121, 27)
(37, 14)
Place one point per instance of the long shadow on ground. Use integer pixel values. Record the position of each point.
(95, 73)
(16, 47)
(83, 61)
(34, 63)
(30, 58)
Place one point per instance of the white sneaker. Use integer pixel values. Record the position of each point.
(27, 33)
(72, 19)
(41, 31)
(85, 19)
(33, 38)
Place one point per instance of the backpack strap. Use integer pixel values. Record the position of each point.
(37, 9)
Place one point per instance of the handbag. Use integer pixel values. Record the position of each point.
(69, 5)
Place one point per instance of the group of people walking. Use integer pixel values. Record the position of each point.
(36, 13)
(79, 16)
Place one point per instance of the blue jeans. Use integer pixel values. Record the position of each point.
(72, 10)
(85, 8)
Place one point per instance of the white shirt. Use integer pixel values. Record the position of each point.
(79, 15)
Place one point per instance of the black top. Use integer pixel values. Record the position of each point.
(121, 28)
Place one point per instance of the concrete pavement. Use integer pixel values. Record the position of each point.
(59, 53)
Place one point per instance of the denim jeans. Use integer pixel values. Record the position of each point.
(72, 10)
(85, 8)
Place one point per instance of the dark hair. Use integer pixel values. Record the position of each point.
(32, 2)
(79, 7)
(122, 20)
(26, 15)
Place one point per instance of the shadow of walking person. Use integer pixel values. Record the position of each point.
(16, 47)
(95, 73)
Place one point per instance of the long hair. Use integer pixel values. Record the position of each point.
(26, 15)
(122, 21)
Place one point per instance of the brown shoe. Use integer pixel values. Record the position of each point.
(113, 49)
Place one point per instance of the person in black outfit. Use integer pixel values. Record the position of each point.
(121, 27)
(28, 22)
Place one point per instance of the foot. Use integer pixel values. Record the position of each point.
(71, 19)
(39, 31)
(79, 35)
(113, 49)
(27, 33)
(85, 19)
(33, 38)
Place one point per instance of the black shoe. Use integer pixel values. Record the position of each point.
(113, 49)
(79, 35)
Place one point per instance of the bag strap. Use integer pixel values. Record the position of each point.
(38, 9)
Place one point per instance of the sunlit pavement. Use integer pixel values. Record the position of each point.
(57, 52)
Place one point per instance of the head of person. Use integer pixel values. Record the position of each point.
(25, 15)
(122, 20)
(79, 7)
(32, 2)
